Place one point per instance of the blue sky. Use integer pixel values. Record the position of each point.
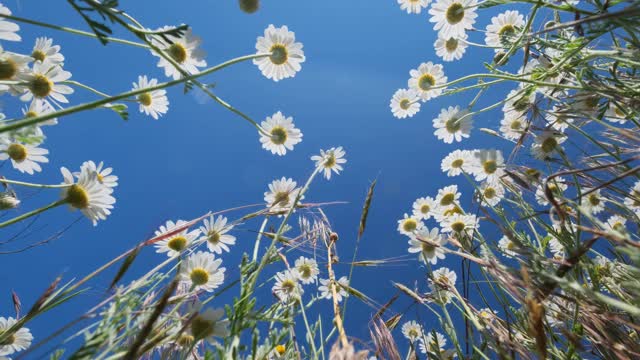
(201, 157)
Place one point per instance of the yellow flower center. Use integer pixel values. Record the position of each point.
(454, 210)
(199, 276)
(9, 341)
(17, 152)
(516, 125)
(278, 135)
(145, 99)
(447, 199)
(452, 125)
(8, 69)
(178, 243)
(592, 101)
(330, 161)
(38, 55)
(409, 225)
(443, 279)
(413, 333)
(281, 198)
(426, 81)
(511, 245)
(30, 114)
(489, 193)
(185, 340)
(451, 45)
(405, 104)
(178, 52)
(305, 271)
(594, 200)
(549, 144)
(618, 227)
(507, 30)
(457, 226)
(455, 13)
(201, 327)
(77, 197)
(279, 54)
(280, 349)
(490, 166)
(425, 208)
(288, 286)
(457, 163)
(427, 248)
(41, 86)
(213, 237)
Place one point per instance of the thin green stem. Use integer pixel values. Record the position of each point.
(43, 186)
(32, 213)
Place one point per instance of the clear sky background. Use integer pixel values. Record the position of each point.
(201, 157)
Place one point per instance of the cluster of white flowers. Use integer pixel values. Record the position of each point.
(426, 341)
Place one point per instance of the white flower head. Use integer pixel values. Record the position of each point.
(286, 54)
(488, 165)
(440, 281)
(153, 103)
(452, 124)
(214, 233)
(424, 207)
(556, 248)
(557, 186)
(45, 51)
(330, 160)
(438, 343)
(12, 67)
(518, 102)
(513, 125)
(503, 29)
(279, 134)
(408, 224)
(202, 271)
(616, 223)
(491, 192)
(306, 270)
(104, 175)
(412, 330)
(428, 244)
(615, 114)
(18, 341)
(413, 6)
(208, 324)
(183, 49)
(341, 285)
(43, 82)
(178, 241)
(593, 201)
(39, 107)
(25, 158)
(8, 30)
(427, 76)
(447, 197)
(559, 119)
(453, 17)
(451, 48)
(507, 246)
(405, 103)
(459, 224)
(88, 195)
(632, 201)
(546, 144)
(287, 287)
(281, 195)
(457, 162)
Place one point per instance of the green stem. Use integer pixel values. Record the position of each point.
(43, 186)
(32, 213)
(86, 87)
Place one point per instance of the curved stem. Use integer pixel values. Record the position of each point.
(44, 186)
(32, 213)
(86, 87)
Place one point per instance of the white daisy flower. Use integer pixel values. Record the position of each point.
(425, 78)
(306, 270)
(24, 157)
(88, 195)
(451, 48)
(488, 165)
(413, 6)
(546, 143)
(281, 195)
(405, 103)
(518, 102)
(215, 234)
(176, 243)
(503, 29)
(491, 192)
(45, 51)
(615, 114)
(424, 207)
(412, 330)
(8, 29)
(43, 83)
(428, 243)
(286, 54)
(513, 125)
(457, 162)
(447, 197)
(558, 119)
(39, 107)
(556, 248)
(487, 314)
(593, 201)
(8, 200)
(18, 341)
(616, 223)
(341, 285)
(586, 104)
(507, 246)
(409, 224)
(12, 67)
(209, 324)
(153, 103)
(202, 271)
(184, 50)
(279, 134)
(557, 187)
(453, 17)
(287, 287)
(633, 200)
(104, 175)
(452, 124)
(330, 160)
(440, 281)
(459, 224)
(438, 343)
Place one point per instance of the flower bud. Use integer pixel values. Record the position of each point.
(8, 200)
(249, 6)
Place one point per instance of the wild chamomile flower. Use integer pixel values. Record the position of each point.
(12, 64)
(488, 165)
(452, 124)
(281, 195)
(24, 157)
(330, 160)
(184, 50)
(104, 175)
(507, 246)
(286, 54)
(453, 17)
(428, 244)
(423, 208)
(557, 186)
(459, 224)
(615, 114)
(45, 51)
(279, 134)
(306, 270)
(503, 29)
(8, 200)
(215, 234)
(425, 78)
(405, 103)
(556, 248)
(202, 271)
(153, 103)
(409, 224)
(616, 223)
(440, 281)
(413, 6)
(586, 104)
(518, 102)
(546, 143)
(451, 48)
(39, 107)
(178, 241)
(88, 195)
(487, 314)
(287, 287)
(208, 324)
(438, 343)
(42, 82)
(341, 285)
(633, 200)
(457, 162)
(8, 29)
(491, 192)
(593, 201)
(18, 341)
(513, 125)
(447, 197)
(558, 119)
(412, 330)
